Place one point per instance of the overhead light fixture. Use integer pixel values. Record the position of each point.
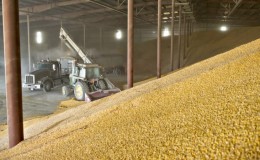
(223, 28)
(165, 17)
(39, 37)
(166, 13)
(118, 34)
(166, 32)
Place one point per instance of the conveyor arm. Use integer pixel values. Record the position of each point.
(72, 45)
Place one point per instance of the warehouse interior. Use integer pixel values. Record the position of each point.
(188, 71)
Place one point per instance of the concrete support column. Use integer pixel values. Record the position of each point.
(29, 42)
(184, 36)
(190, 28)
(61, 43)
(179, 38)
(100, 38)
(130, 43)
(12, 71)
(159, 38)
(84, 36)
(188, 34)
(172, 36)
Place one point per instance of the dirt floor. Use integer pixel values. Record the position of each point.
(35, 103)
(208, 110)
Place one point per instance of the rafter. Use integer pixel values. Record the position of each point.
(48, 6)
(76, 14)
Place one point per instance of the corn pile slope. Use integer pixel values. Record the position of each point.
(213, 114)
(72, 116)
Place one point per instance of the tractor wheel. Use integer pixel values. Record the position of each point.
(79, 90)
(66, 91)
(47, 86)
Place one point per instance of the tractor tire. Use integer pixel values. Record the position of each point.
(80, 89)
(47, 85)
(66, 90)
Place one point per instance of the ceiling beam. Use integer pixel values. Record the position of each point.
(143, 4)
(48, 6)
(237, 3)
(79, 14)
(45, 7)
(233, 22)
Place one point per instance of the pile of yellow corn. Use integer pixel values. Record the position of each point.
(213, 115)
(70, 103)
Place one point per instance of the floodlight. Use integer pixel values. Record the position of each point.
(166, 32)
(39, 37)
(118, 34)
(223, 28)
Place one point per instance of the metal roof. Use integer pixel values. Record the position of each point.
(113, 12)
(238, 12)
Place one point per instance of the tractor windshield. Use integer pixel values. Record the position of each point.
(93, 72)
(44, 66)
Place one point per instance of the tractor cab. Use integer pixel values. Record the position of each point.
(89, 82)
(86, 72)
(46, 64)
